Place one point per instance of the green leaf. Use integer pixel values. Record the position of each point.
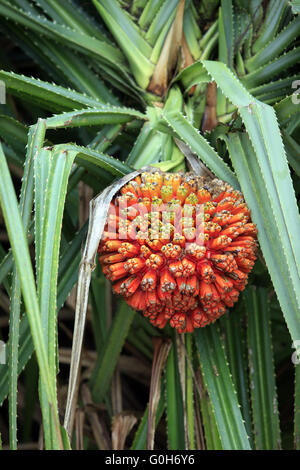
(113, 13)
(226, 33)
(208, 419)
(272, 69)
(13, 133)
(200, 146)
(275, 47)
(228, 83)
(105, 137)
(67, 277)
(102, 160)
(285, 109)
(134, 46)
(190, 399)
(88, 45)
(62, 64)
(25, 5)
(292, 152)
(13, 345)
(107, 361)
(35, 141)
(25, 351)
(94, 117)
(161, 38)
(68, 266)
(65, 439)
(221, 390)
(149, 12)
(277, 89)
(261, 370)
(191, 30)
(270, 25)
(70, 14)
(20, 251)
(295, 6)
(100, 297)
(235, 342)
(76, 71)
(165, 14)
(146, 149)
(47, 95)
(51, 172)
(174, 402)
(193, 75)
(274, 244)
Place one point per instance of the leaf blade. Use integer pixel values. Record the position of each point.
(220, 388)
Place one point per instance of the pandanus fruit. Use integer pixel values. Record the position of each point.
(178, 247)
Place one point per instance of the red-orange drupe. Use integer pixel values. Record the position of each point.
(178, 247)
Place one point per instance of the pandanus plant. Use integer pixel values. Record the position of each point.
(183, 115)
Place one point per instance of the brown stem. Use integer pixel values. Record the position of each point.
(210, 119)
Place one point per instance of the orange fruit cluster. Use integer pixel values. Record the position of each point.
(178, 247)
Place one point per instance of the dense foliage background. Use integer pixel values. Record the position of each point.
(97, 89)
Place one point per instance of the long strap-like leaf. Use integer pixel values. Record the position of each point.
(272, 242)
(35, 141)
(20, 251)
(221, 390)
(261, 369)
